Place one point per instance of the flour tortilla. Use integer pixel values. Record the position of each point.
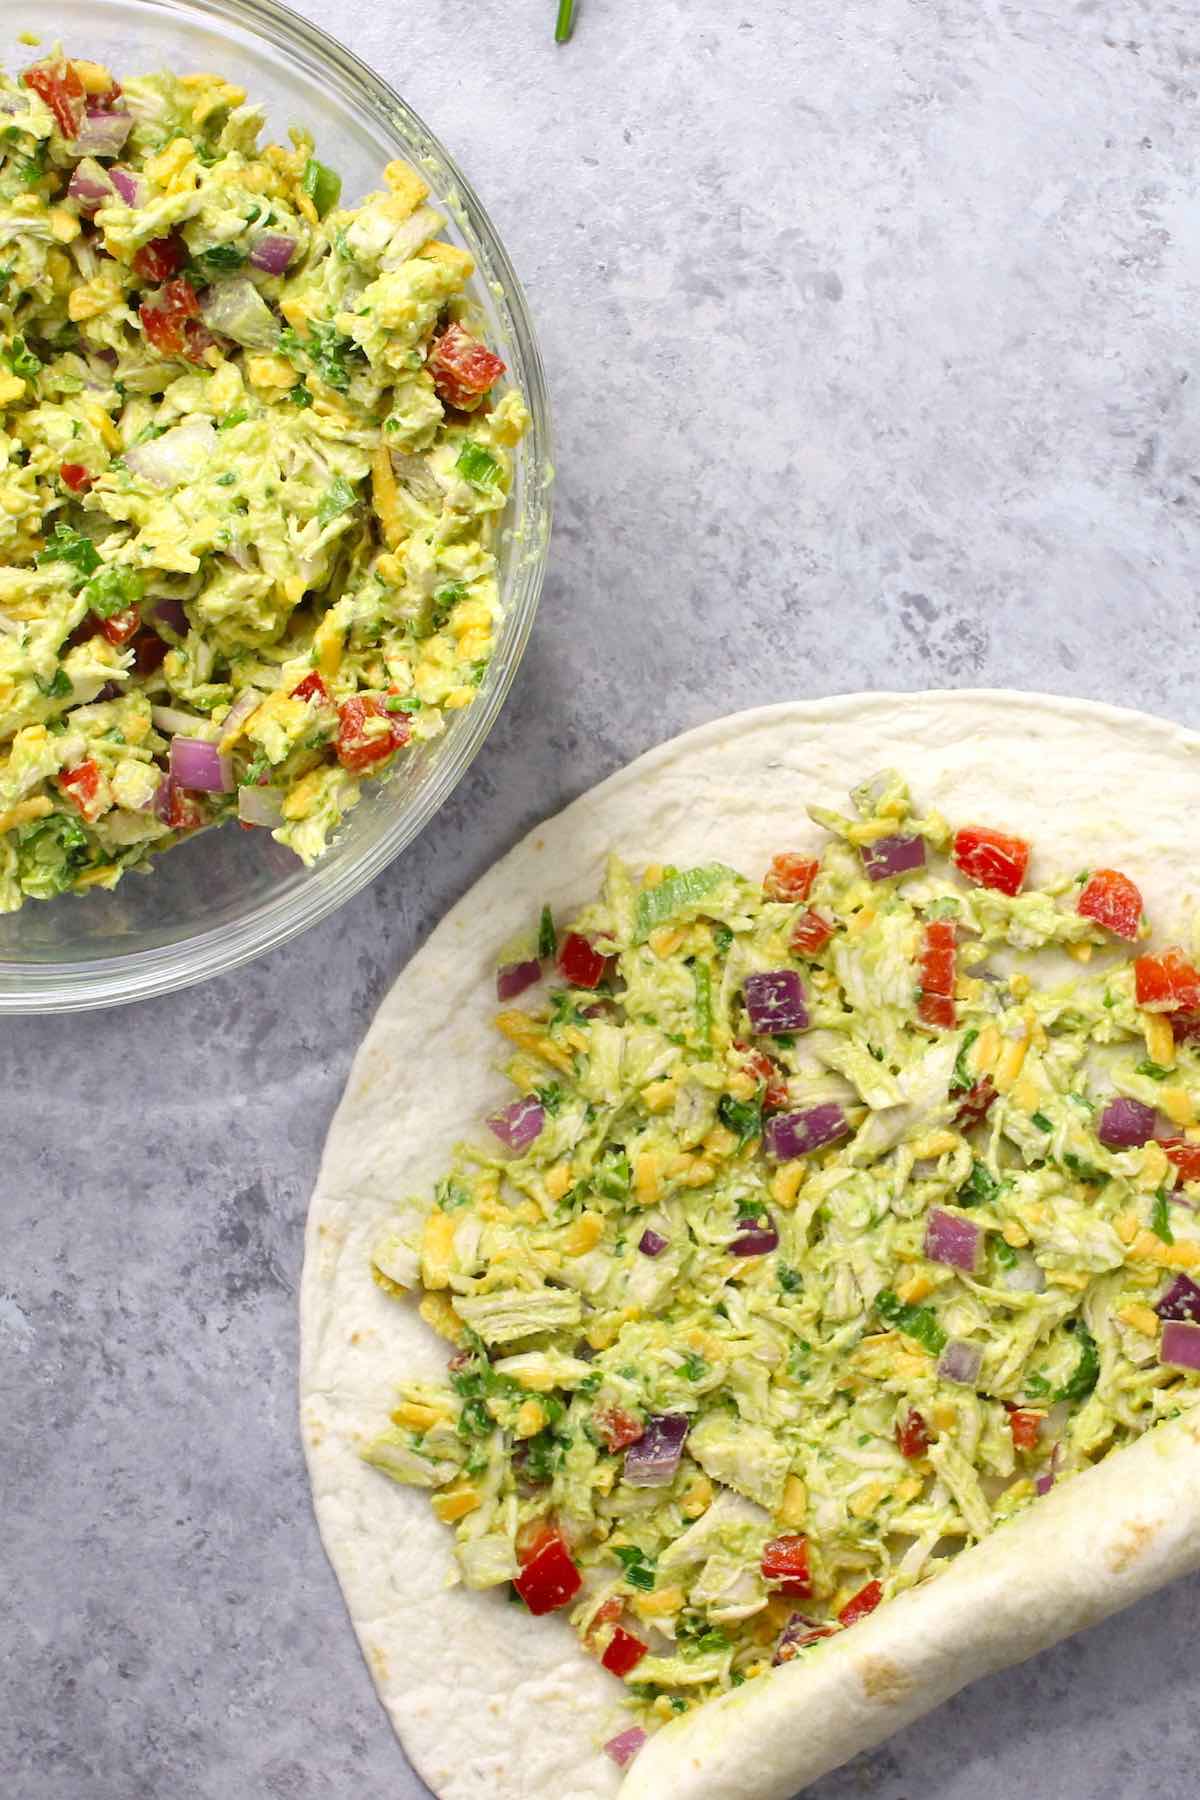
(491, 1704)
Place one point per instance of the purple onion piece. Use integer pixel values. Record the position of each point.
(90, 185)
(513, 978)
(651, 1243)
(272, 252)
(1181, 1301)
(953, 1241)
(775, 1002)
(892, 856)
(960, 1361)
(131, 187)
(1126, 1124)
(653, 1460)
(518, 1123)
(195, 763)
(261, 806)
(102, 133)
(754, 1238)
(1179, 1347)
(163, 798)
(625, 1746)
(788, 1135)
(799, 1631)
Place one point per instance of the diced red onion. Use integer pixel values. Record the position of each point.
(775, 1002)
(787, 1135)
(260, 806)
(513, 978)
(518, 1123)
(237, 310)
(1181, 1300)
(960, 1361)
(175, 458)
(102, 133)
(653, 1460)
(1180, 1345)
(754, 1238)
(1126, 1124)
(151, 803)
(247, 702)
(163, 798)
(109, 691)
(625, 1746)
(272, 252)
(892, 856)
(951, 1240)
(90, 185)
(1045, 1481)
(651, 1242)
(195, 763)
(131, 187)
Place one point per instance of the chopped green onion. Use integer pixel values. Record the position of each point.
(547, 942)
(1160, 1217)
(564, 24)
(322, 185)
(477, 465)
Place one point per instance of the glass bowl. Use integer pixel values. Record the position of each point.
(228, 895)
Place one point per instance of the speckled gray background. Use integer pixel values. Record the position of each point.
(871, 330)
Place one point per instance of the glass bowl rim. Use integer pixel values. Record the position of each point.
(34, 988)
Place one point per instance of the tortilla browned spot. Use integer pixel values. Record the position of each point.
(882, 1679)
(1135, 1538)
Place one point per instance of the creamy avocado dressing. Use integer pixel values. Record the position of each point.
(251, 475)
(836, 1217)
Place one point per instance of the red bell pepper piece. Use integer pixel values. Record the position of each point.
(173, 324)
(462, 367)
(549, 1578)
(1166, 982)
(936, 1003)
(624, 1652)
(1112, 900)
(1184, 1156)
(122, 626)
(809, 933)
(357, 748)
(161, 258)
(760, 1065)
(76, 477)
(991, 858)
(617, 1427)
(83, 785)
(1025, 1428)
(311, 688)
(785, 1563)
(60, 87)
(973, 1109)
(864, 1602)
(912, 1434)
(790, 876)
(581, 962)
(148, 651)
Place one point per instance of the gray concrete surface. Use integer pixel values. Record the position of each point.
(871, 331)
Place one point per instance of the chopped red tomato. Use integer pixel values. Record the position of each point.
(83, 785)
(173, 324)
(580, 962)
(161, 258)
(785, 1563)
(810, 933)
(62, 90)
(462, 367)
(1184, 1156)
(311, 688)
(864, 1602)
(991, 858)
(759, 1064)
(607, 1613)
(912, 1434)
(549, 1578)
(617, 1427)
(790, 876)
(1025, 1428)
(148, 651)
(973, 1108)
(936, 969)
(1166, 981)
(1111, 899)
(76, 477)
(624, 1652)
(358, 745)
(122, 626)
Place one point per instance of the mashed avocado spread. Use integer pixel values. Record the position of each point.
(250, 476)
(836, 1217)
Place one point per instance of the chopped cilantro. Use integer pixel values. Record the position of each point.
(741, 1116)
(222, 257)
(979, 1188)
(71, 547)
(114, 589)
(21, 360)
(694, 1366)
(790, 1280)
(1082, 1171)
(1036, 1386)
(919, 1322)
(1087, 1369)
(962, 1078)
(300, 396)
(58, 686)
(550, 1097)
(338, 498)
